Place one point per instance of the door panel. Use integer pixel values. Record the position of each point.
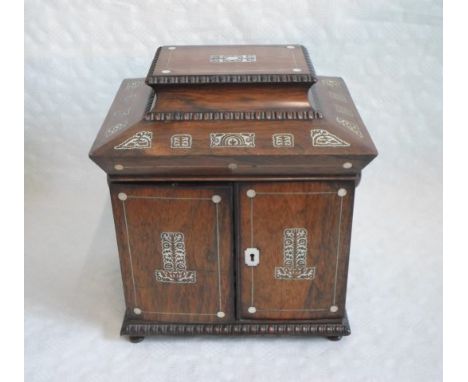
(301, 231)
(175, 246)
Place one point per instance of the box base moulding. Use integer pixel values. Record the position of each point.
(333, 329)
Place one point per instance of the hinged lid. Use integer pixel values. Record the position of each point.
(231, 64)
(183, 128)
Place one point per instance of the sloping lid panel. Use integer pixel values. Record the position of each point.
(338, 143)
(127, 109)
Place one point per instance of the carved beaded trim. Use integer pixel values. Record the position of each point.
(309, 329)
(153, 64)
(231, 79)
(233, 115)
(305, 52)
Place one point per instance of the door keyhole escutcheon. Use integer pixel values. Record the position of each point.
(252, 257)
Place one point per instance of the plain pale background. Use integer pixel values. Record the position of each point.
(390, 55)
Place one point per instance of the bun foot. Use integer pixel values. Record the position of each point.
(334, 338)
(136, 339)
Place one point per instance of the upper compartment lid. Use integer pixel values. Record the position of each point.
(215, 64)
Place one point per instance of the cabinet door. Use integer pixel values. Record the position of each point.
(302, 233)
(175, 246)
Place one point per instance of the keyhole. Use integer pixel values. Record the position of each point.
(252, 257)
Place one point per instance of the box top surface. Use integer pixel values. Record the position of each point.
(231, 64)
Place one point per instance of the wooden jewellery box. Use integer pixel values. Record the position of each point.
(232, 172)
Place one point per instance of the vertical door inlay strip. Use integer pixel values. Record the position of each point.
(251, 223)
(217, 250)
(251, 246)
(337, 251)
(252, 287)
(129, 252)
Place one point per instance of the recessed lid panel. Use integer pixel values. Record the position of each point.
(231, 64)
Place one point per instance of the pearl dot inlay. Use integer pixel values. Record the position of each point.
(347, 165)
(171, 48)
(297, 70)
(290, 47)
(165, 71)
(216, 199)
(119, 167)
(252, 309)
(333, 308)
(251, 193)
(342, 192)
(232, 166)
(122, 196)
(137, 311)
(220, 314)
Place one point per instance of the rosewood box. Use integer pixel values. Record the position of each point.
(232, 172)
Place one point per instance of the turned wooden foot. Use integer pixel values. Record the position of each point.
(334, 338)
(136, 339)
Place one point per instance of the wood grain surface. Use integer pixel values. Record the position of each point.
(149, 211)
(317, 209)
(230, 63)
(203, 98)
(302, 156)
